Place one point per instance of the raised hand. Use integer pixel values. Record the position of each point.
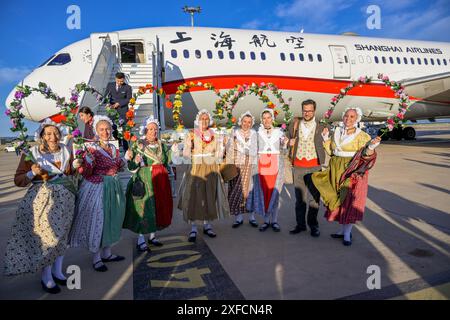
(77, 163)
(325, 134)
(37, 170)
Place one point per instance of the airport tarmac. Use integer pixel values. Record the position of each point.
(405, 233)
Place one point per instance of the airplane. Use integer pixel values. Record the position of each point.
(302, 65)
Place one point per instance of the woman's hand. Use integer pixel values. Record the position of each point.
(325, 134)
(138, 159)
(37, 170)
(77, 163)
(128, 155)
(375, 142)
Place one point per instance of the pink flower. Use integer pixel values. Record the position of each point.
(362, 79)
(283, 126)
(390, 127)
(334, 99)
(241, 89)
(19, 95)
(8, 112)
(400, 116)
(390, 121)
(262, 84)
(76, 133)
(385, 78)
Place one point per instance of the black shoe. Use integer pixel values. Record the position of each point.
(192, 236)
(53, 290)
(142, 247)
(61, 282)
(347, 243)
(111, 259)
(297, 230)
(253, 223)
(209, 232)
(100, 266)
(276, 227)
(315, 232)
(264, 227)
(155, 242)
(237, 224)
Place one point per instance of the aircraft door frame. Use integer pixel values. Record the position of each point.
(341, 62)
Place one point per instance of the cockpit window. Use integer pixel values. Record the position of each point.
(60, 59)
(43, 64)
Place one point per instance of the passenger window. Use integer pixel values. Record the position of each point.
(310, 58)
(263, 56)
(186, 54)
(252, 55)
(242, 54)
(319, 57)
(198, 54)
(173, 53)
(292, 56)
(220, 53)
(282, 56)
(209, 54)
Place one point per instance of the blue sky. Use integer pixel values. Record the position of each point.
(31, 31)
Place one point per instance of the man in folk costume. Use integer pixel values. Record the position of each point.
(343, 185)
(202, 190)
(151, 209)
(268, 177)
(242, 150)
(307, 155)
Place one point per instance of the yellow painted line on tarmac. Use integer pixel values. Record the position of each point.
(441, 292)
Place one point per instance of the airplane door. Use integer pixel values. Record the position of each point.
(341, 62)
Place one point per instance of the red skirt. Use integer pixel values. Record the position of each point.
(163, 196)
(268, 172)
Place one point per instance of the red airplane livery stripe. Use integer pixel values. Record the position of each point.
(287, 83)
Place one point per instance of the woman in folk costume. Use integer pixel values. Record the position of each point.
(242, 151)
(268, 177)
(151, 210)
(343, 185)
(101, 202)
(41, 228)
(202, 189)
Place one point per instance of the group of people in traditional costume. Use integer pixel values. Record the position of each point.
(58, 211)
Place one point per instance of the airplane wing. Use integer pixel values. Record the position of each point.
(433, 88)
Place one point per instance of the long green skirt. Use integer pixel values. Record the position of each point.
(140, 216)
(327, 182)
(114, 210)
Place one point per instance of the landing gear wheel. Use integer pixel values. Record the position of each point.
(409, 133)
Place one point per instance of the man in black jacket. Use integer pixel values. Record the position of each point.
(119, 94)
(307, 155)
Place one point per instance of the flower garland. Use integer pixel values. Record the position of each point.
(68, 111)
(400, 93)
(177, 103)
(229, 100)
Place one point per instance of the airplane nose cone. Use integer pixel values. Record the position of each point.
(10, 99)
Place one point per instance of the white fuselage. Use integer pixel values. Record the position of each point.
(303, 66)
